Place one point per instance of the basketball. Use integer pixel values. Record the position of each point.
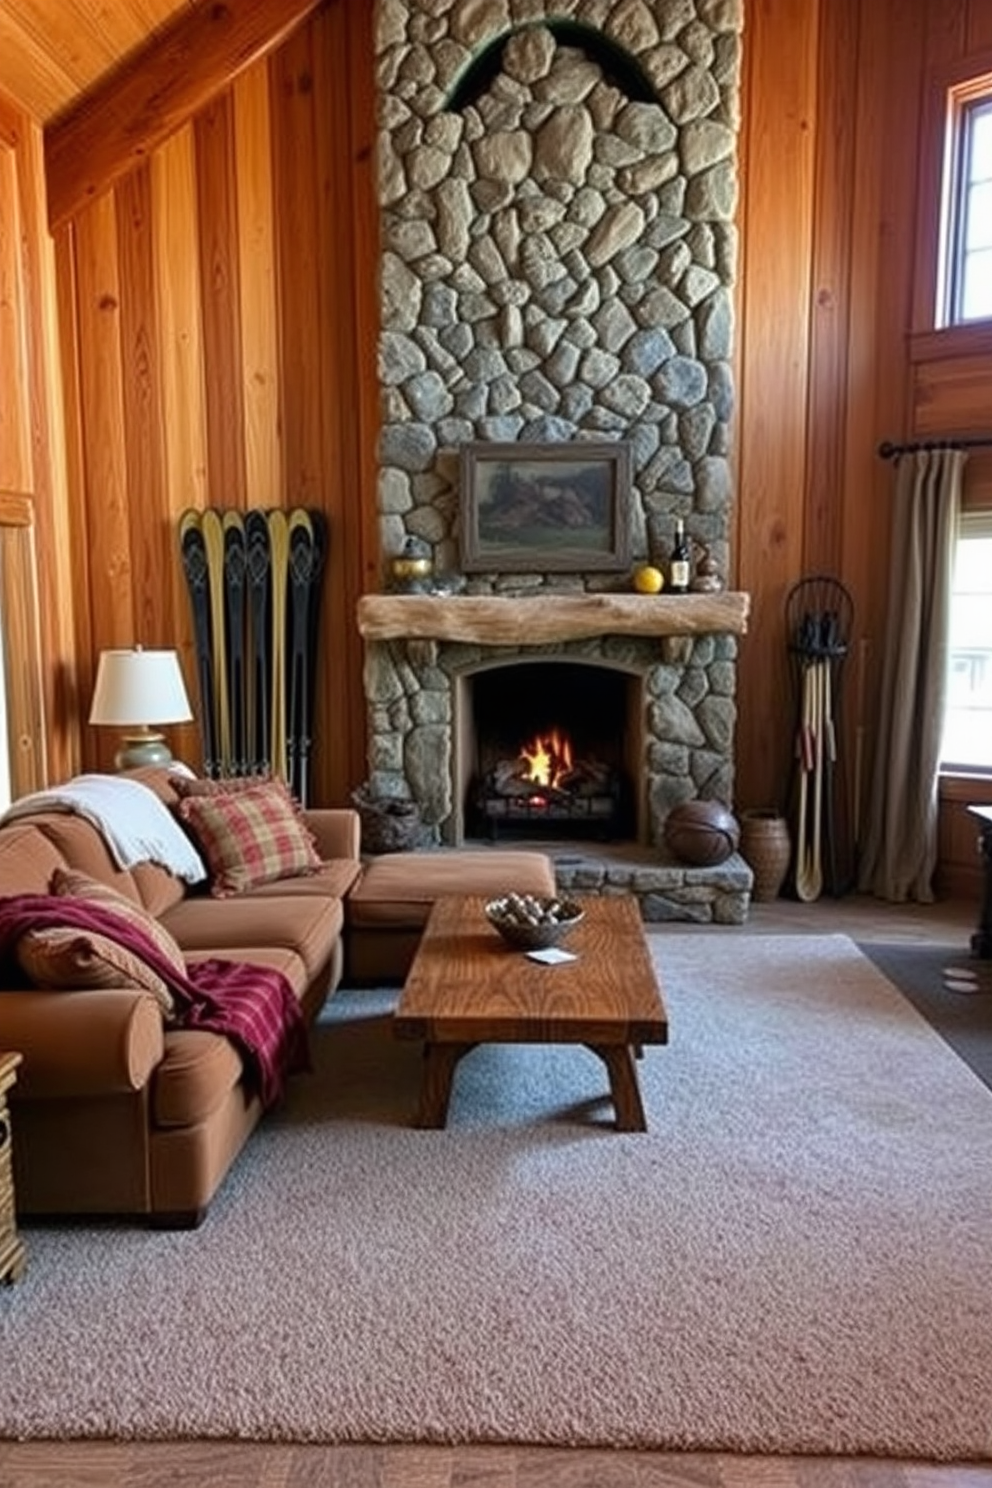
(702, 833)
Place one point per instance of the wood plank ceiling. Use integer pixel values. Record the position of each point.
(53, 51)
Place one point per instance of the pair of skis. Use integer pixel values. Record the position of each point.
(819, 613)
(254, 581)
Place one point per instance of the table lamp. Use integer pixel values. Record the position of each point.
(135, 689)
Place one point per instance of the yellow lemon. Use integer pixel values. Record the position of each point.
(649, 580)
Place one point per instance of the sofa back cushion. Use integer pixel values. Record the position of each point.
(158, 889)
(81, 846)
(27, 859)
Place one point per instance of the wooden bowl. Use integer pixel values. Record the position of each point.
(529, 922)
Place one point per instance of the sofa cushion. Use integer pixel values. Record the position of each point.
(278, 958)
(72, 959)
(249, 836)
(81, 846)
(27, 859)
(233, 929)
(158, 889)
(161, 779)
(74, 885)
(331, 880)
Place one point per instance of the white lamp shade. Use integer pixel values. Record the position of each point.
(139, 687)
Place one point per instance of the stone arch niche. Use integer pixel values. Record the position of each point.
(619, 68)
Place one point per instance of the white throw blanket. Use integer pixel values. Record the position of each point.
(136, 826)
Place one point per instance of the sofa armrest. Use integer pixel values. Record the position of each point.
(81, 1043)
(337, 830)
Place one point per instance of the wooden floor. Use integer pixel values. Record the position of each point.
(233, 1465)
(95, 1465)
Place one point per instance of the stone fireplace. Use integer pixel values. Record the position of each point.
(676, 658)
(557, 186)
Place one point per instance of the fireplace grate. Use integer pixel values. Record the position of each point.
(540, 808)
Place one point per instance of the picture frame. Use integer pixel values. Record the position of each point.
(545, 508)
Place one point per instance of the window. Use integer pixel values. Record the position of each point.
(965, 284)
(967, 742)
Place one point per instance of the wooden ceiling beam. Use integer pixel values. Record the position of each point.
(153, 93)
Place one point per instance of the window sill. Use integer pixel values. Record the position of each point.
(972, 339)
(970, 786)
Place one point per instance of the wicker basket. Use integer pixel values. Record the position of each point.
(388, 825)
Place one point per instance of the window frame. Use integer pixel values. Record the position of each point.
(963, 100)
(973, 523)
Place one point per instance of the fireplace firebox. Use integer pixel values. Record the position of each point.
(550, 751)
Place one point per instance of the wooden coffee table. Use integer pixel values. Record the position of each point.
(467, 986)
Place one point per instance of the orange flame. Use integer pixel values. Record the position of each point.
(548, 758)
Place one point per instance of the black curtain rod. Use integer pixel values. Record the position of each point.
(889, 451)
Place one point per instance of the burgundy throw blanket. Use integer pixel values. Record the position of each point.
(254, 1006)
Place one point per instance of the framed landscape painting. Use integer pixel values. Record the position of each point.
(545, 508)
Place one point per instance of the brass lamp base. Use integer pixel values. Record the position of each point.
(138, 750)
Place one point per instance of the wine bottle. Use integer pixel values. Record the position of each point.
(678, 566)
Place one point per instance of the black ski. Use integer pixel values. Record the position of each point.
(279, 544)
(304, 567)
(194, 558)
(213, 541)
(235, 573)
(259, 676)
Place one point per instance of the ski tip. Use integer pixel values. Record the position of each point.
(299, 517)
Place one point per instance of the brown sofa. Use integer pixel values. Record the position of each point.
(115, 1112)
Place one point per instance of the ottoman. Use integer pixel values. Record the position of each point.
(387, 909)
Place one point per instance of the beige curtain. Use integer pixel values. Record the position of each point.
(900, 851)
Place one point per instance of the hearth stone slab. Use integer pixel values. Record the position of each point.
(667, 890)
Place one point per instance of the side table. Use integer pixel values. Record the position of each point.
(981, 941)
(12, 1254)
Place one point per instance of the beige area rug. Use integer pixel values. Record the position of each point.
(796, 1258)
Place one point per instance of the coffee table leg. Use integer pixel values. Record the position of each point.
(435, 1083)
(619, 1061)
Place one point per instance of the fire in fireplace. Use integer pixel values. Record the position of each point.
(550, 752)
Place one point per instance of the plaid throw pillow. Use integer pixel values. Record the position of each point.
(249, 837)
(69, 959)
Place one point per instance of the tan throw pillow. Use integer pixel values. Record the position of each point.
(68, 958)
(195, 785)
(249, 837)
(72, 884)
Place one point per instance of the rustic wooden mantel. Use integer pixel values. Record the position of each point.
(499, 620)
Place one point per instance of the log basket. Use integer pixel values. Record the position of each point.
(388, 823)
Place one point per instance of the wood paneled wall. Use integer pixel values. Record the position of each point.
(33, 488)
(839, 221)
(218, 345)
(218, 312)
(823, 193)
